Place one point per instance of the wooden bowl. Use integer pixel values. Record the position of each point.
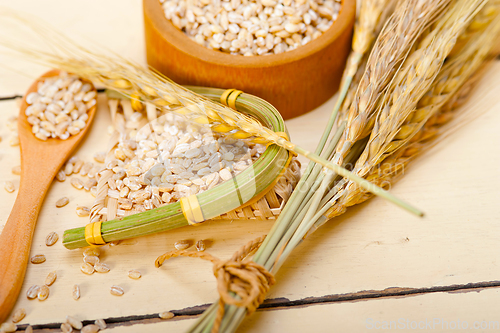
(294, 82)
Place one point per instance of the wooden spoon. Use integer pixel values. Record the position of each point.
(40, 162)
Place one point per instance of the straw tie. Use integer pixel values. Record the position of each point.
(235, 277)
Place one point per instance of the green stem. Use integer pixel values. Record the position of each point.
(363, 183)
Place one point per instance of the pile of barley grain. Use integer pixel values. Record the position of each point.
(59, 108)
(169, 159)
(252, 27)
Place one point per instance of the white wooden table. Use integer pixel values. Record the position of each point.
(372, 266)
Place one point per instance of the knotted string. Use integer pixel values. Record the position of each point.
(246, 279)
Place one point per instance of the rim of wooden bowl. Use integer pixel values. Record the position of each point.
(177, 38)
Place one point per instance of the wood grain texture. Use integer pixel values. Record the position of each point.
(372, 248)
(294, 82)
(40, 162)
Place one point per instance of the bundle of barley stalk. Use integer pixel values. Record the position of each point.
(412, 62)
(397, 94)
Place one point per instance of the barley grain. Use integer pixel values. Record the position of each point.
(32, 292)
(182, 244)
(8, 327)
(66, 328)
(57, 103)
(82, 211)
(16, 170)
(61, 176)
(38, 259)
(134, 274)
(200, 246)
(9, 186)
(76, 292)
(92, 328)
(29, 329)
(51, 238)
(166, 315)
(87, 268)
(101, 323)
(77, 183)
(100, 157)
(18, 315)
(249, 28)
(116, 290)
(92, 251)
(75, 323)
(101, 267)
(51, 278)
(62, 202)
(43, 293)
(92, 260)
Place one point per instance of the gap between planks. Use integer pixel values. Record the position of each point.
(283, 304)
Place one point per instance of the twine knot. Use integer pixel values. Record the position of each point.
(240, 283)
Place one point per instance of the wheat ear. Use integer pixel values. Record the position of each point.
(412, 82)
(390, 49)
(372, 16)
(449, 92)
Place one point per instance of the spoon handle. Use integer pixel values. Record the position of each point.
(16, 237)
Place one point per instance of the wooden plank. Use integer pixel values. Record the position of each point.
(440, 312)
(374, 246)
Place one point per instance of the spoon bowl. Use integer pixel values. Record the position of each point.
(40, 162)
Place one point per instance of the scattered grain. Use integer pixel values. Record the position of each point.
(43, 293)
(16, 170)
(18, 315)
(182, 244)
(101, 267)
(100, 157)
(101, 323)
(61, 176)
(82, 211)
(87, 268)
(51, 238)
(76, 292)
(90, 329)
(116, 290)
(62, 202)
(29, 329)
(51, 278)
(32, 292)
(200, 246)
(77, 183)
(75, 323)
(38, 259)
(91, 260)
(9, 186)
(166, 315)
(134, 274)
(8, 327)
(66, 328)
(92, 251)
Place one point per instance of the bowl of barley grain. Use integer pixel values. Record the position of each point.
(294, 62)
